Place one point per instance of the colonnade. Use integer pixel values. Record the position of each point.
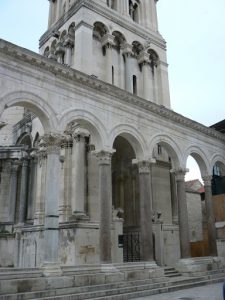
(59, 177)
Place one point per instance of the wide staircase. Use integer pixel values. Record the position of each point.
(21, 284)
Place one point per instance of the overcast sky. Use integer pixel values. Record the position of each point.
(195, 35)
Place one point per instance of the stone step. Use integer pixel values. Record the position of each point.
(123, 294)
(89, 292)
(171, 272)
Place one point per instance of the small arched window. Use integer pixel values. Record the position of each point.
(112, 75)
(134, 85)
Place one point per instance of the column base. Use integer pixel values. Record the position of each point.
(51, 270)
(80, 215)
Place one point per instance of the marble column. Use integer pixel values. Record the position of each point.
(40, 185)
(127, 52)
(51, 234)
(125, 7)
(68, 44)
(65, 211)
(32, 188)
(146, 240)
(107, 43)
(174, 200)
(23, 191)
(210, 216)
(105, 200)
(143, 60)
(50, 18)
(182, 214)
(13, 190)
(79, 174)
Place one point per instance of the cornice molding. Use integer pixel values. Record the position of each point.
(64, 72)
(112, 15)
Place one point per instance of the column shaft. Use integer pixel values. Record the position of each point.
(146, 240)
(105, 197)
(51, 235)
(210, 217)
(128, 74)
(183, 215)
(12, 191)
(79, 175)
(109, 64)
(23, 191)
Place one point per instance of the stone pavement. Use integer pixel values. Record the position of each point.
(208, 292)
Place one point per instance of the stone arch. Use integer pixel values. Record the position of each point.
(99, 30)
(218, 159)
(137, 48)
(24, 139)
(201, 159)
(153, 57)
(71, 29)
(47, 51)
(170, 146)
(35, 104)
(62, 36)
(90, 122)
(133, 136)
(119, 38)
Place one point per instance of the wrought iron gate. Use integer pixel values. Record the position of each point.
(131, 247)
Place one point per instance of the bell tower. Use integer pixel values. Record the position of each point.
(115, 41)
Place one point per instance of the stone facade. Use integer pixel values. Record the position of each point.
(104, 158)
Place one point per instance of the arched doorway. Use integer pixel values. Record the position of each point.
(125, 196)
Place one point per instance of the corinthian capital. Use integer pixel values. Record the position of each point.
(144, 167)
(179, 173)
(104, 157)
(207, 180)
(53, 142)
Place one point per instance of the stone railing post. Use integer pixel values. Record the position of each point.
(210, 216)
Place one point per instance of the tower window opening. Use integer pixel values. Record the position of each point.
(112, 75)
(159, 150)
(134, 85)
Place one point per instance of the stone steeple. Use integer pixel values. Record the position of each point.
(115, 41)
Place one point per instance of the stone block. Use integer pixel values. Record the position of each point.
(60, 282)
(114, 277)
(95, 279)
(81, 280)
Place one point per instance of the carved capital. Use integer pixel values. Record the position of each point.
(179, 173)
(207, 180)
(107, 40)
(144, 167)
(127, 49)
(143, 58)
(69, 41)
(104, 157)
(53, 142)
